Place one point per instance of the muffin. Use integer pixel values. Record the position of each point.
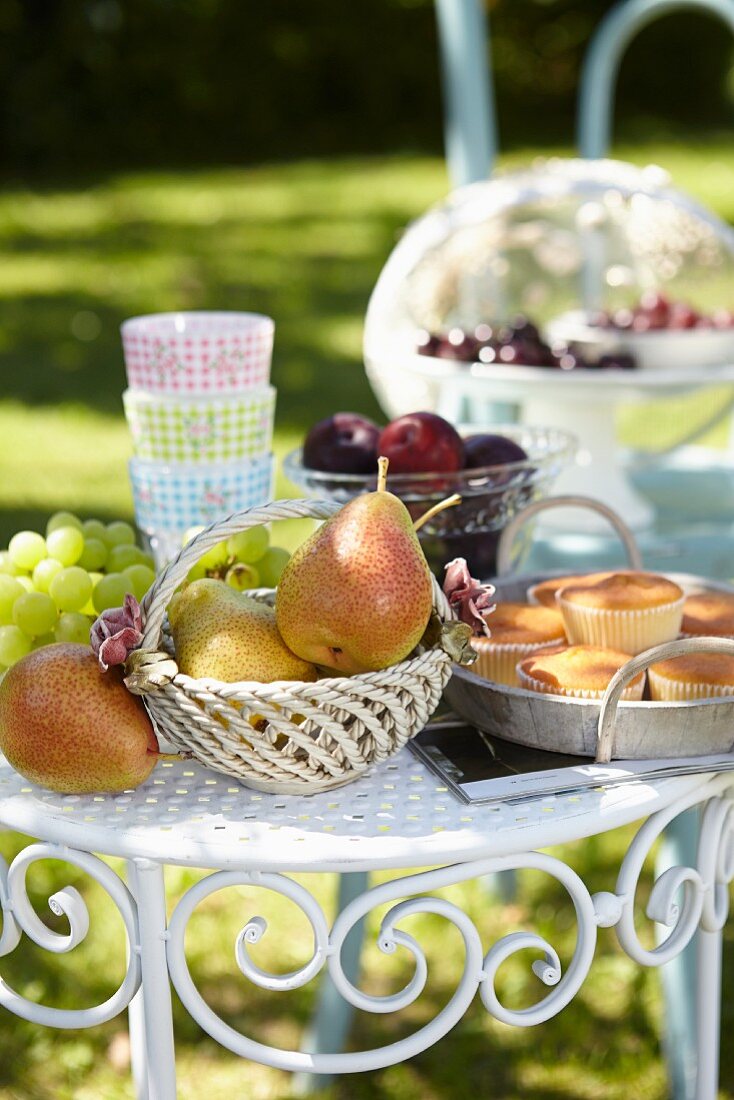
(517, 629)
(545, 592)
(578, 671)
(709, 613)
(694, 676)
(629, 611)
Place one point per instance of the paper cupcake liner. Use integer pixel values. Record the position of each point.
(198, 352)
(632, 692)
(629, 631)
(173, 498)
(213, 429)
(663, 689)
(499, 662)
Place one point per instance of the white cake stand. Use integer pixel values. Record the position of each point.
(583, 402)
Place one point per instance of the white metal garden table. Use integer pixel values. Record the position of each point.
(397, 816)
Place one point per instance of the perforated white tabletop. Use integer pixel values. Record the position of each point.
(398, 815)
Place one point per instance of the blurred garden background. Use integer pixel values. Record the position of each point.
(165, 154)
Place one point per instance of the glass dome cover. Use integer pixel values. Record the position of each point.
(563, 238)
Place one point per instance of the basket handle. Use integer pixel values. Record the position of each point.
(157, 598)
(620, 680)
(507, 538)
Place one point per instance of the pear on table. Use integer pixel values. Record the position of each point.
(221, 634)
(357, 595)
(67, 725)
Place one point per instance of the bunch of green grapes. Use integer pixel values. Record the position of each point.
(245, 560)
(53, 588)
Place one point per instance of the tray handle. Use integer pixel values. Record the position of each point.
(507, 538)
(620, 680)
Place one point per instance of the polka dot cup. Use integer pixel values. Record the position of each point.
(198, 352)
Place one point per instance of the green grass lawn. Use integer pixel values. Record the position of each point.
(304, 243)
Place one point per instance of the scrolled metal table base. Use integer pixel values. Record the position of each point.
(684, 900)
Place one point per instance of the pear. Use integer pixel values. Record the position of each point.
(357, 595)
(67, 725)
(220, 633)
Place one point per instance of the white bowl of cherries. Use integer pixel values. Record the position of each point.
(496, 473)
(658, 333)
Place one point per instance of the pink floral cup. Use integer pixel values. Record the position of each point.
(198, 352)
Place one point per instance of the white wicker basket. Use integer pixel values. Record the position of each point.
(307, 737)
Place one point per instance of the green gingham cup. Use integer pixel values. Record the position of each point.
(200, 429)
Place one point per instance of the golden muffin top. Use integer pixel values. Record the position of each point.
(709, 613)
(630, 591)
(698, 668)
(545, 591)
(583, 667)
(523, 624)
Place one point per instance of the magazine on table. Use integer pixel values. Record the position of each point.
(481, 769)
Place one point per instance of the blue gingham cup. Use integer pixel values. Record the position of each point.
(171, 498)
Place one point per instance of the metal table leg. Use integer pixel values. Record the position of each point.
(160, 1062)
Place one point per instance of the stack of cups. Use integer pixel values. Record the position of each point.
(200, 409)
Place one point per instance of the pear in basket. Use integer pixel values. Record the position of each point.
(357, 595)
(223, 634)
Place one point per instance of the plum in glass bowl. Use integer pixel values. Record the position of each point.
(490, 494)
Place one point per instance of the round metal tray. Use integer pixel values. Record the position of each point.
(603, 729)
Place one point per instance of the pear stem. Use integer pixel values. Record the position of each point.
(449, 502)
(172, 755)
(382, 465)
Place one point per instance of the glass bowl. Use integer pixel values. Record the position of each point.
(490, 495)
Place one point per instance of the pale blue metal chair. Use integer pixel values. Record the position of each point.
(471, 143)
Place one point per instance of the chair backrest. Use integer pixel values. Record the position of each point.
(601, 63)
(470, 123)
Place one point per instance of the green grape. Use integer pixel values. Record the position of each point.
(122, 556)
(140, 578)
(42, 640)
(25, 582)
(89, 608)
(190, 534)
(72, 627)
(250, 545)
(26, 549)
(196, 572)
(35, 613)
(147, 559)
(216, 557)
(271, 565)
(10, 591)
(45, 572)
(70, 589)
(14, 644)
(94, 529)
(63, 519)
(242, 576)
(94, 554)
(66, 545)
(118, 533)
(110, 591)
(7, 566)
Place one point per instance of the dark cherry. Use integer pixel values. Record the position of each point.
(427, 343)
(421, 442)
(683, 316)
(617, 360)
(345, 443)
(486, 449)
